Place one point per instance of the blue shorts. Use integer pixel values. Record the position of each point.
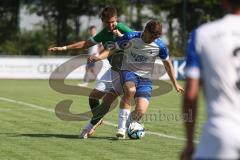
(143, 85)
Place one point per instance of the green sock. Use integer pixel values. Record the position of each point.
(98, 113)
(93, 103)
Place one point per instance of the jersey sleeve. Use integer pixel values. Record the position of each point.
(97, 38)
(123, 42)
(123, 28)
(192, 69)
(163, 50)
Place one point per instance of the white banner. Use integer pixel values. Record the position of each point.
(39, 68)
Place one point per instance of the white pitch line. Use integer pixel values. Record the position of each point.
(105, 122)
(148, 132)
(26, 104)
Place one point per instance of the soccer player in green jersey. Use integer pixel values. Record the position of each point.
(104, 87)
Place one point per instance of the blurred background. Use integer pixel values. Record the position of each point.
(29, 27)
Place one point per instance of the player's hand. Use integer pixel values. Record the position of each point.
(55, 49)
(117, 33)
(187, 153)
(179, 89)
(93, 58)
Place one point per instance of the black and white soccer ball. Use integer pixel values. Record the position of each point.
(135, 130)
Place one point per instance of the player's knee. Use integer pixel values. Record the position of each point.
(130, 92)
(96, 94)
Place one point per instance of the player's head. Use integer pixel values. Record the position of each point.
(152, 30)
(231, 6)
(92, 30)
(109, 17)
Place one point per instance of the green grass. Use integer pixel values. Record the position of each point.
(33, 134)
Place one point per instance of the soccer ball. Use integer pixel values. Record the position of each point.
(135, 130)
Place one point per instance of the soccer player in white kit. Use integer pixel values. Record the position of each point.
(213, 59)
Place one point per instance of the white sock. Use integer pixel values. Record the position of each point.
(122, 118)
(129, 120)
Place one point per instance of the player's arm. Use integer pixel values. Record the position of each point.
(108, 52)
(189, 108)
(170, 71)
(103, 55)
(123, 28)
(82, 45)
(189, 105)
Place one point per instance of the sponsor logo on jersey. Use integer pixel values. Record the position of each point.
(125, 44)
(139, 58)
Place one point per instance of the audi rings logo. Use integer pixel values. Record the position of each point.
(46, 67)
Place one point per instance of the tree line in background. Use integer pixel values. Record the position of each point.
(61, 24)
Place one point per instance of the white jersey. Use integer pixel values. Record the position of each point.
(214, 57)
(139, 56)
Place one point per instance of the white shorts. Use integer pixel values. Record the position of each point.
(220, 140)
(110, 81)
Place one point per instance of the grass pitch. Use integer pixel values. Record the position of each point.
(30, 130)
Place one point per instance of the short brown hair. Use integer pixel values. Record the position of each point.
(154, 27)
(108, 12)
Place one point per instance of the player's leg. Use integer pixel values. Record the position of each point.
(103, 86)
(103, 108)
(111, 95)
(129, 89)
(94, 98)
(140, 109)
(85, 78)
(128, 80)
(99, 113)
(93, 71)
(142, 97)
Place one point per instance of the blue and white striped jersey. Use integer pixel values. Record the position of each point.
(139, 56)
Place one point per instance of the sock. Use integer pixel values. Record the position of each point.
(88, 127)
(129, 120)
(122, 118)
(98, 113)
(93, 103)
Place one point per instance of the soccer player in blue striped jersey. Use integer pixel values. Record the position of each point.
(140, 52)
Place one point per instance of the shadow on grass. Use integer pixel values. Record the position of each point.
(64, 136)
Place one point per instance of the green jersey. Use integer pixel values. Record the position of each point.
(108, 39)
